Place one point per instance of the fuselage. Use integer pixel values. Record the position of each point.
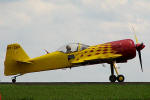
(119, 51)
(124, 47)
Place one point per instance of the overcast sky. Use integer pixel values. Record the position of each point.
(49, 24)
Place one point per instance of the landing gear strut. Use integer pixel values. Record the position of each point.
(14, 78)
(113, 78)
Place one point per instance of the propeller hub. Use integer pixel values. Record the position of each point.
(139, 46)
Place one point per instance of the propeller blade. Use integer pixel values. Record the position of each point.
(136, 38)
(133, 30)
(140, 58)
(139, 47)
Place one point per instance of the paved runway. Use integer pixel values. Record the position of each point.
(70, 83)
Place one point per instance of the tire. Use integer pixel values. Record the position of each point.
(120, 78)
(13, 80)
(112, 78)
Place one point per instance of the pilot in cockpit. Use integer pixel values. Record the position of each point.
(68, 49)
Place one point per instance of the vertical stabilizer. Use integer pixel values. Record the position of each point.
(14, 53)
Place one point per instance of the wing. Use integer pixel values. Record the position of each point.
(101, 52)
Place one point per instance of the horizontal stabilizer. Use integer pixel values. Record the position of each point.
(24, 62)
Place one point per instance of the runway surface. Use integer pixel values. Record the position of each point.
(71, 83)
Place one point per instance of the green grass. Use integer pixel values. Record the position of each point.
(75, 92)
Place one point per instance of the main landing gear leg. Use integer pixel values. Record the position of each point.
(14, 78)
(113, 78)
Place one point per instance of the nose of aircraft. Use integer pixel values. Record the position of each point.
(139, 46)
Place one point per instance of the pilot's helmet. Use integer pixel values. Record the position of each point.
(68, 48)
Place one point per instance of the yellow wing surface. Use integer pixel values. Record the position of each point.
(101, 52)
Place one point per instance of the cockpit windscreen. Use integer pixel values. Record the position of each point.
(73, 47)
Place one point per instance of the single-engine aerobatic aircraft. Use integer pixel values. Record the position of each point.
(17, 62)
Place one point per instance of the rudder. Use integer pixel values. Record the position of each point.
(14, 53)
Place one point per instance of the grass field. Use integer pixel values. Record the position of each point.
(75, 92)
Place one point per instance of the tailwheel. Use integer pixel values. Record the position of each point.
(14, 80)
(112, 78)
(120, 78)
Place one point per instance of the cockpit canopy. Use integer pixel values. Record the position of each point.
(72, 47)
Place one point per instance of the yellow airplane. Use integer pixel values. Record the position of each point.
(17, 62)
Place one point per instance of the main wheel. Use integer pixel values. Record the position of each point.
(120, 78)
(112, 78)
(13, 80)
